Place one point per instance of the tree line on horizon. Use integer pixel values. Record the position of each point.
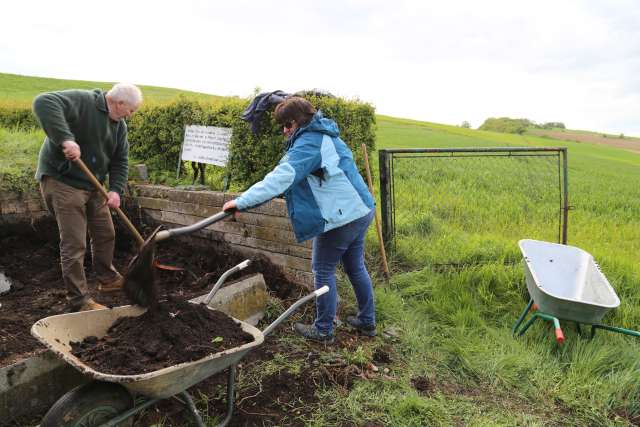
(517, 126)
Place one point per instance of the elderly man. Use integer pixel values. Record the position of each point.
(87, 125)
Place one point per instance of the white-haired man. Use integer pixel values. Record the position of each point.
(87, 125)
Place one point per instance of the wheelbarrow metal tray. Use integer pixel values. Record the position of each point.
(566, 282)
(56, 332)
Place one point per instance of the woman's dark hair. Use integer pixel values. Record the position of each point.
(294, 108)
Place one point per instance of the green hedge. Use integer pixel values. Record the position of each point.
(156, 133)
(17, 117)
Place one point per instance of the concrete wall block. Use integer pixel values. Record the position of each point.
(231, 227)
(21, 218)
(267, 245)
(201, 210)
(209, 198)
(147, 190)
(11, 195)
(36, 204)
(261, 220)
(10, 207)
(275, 207)
(245, 299)
(281, 260)
(32, 385)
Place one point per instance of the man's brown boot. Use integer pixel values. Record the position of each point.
(113, 286)
(90, 304)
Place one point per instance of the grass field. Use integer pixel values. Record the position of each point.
(457, 323)
(20, 90)
(455, 361)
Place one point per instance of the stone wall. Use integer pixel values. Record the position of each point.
(20, 208)
(265, 230)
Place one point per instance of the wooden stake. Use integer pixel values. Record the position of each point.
(383, 253)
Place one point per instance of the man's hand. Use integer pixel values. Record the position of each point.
(114, 200)
(71, 150)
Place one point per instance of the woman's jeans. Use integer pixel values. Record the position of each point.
(344, 244)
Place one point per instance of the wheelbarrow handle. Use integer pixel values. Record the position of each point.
(165, 234)
(323, 290)
(244, 264)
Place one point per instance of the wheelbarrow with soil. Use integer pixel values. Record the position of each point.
(111, 400)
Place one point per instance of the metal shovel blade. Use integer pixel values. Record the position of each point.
(139, 280)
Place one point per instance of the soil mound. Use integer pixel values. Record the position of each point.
(176, 331)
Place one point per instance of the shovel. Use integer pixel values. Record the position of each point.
(101, 189)
(139, 280)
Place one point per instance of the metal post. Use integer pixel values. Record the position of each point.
(565, 207)
(385, 192)
(180, 155)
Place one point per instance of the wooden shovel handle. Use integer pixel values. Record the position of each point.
(101, 189)
(383, 254)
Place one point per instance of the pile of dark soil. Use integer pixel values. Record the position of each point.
(30, 258)
(175, 332)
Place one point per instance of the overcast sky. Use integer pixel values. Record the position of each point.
(448, 61)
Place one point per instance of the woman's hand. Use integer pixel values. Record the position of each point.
(230, 205)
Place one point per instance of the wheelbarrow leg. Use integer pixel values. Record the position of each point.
(231, 382)
(613, 329)
(192, 408)
(578, 328)
(543, 316)
(528, 324)
(231, 379)
(521, 318)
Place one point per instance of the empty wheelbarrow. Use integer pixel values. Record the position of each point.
(565, 283)
(109, 399)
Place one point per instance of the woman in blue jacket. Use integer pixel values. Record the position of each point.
(329, 202)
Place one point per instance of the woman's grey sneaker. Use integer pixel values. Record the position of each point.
(368, 330)
(310, 332)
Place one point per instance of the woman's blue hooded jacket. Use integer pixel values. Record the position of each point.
(319, 180)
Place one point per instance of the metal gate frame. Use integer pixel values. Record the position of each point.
(387, 196)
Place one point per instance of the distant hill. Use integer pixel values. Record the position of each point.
(557, 130)
(618, 141)
(17, 89)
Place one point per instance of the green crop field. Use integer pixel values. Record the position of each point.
(457, 323)
(455, 361)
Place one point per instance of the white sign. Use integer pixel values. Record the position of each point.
(206, 144)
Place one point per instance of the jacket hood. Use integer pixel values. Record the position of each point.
(319, 124)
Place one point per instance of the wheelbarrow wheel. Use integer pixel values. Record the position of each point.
(89, 405)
